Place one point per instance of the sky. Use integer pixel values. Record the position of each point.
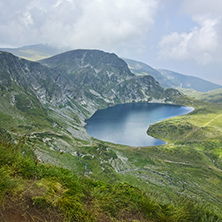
(180, 35)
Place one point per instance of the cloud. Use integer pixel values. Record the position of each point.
(203, 43)
(77, 24)
(202, 7)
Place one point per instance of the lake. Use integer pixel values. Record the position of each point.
(127, 124)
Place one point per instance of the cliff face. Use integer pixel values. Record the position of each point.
(31, 76)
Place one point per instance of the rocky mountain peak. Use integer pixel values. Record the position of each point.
(73, 61)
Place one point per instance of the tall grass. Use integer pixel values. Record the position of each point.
(81, 198)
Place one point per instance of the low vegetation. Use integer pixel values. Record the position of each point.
(213, 96)
(32, 191)
(100, 181)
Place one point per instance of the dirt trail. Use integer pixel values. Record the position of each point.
(216, 117)
(194, 130)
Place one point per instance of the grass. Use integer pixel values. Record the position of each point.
(189, 165)
(193, 150)
(34, 191)
(211, 96)
(22, 111)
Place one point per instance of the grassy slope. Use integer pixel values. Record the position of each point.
(214, 96)
(21, 111)
(189, 165)
(32, 191)
(192, 155)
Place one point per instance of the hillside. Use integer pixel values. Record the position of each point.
(213, 96)
(32, 191)
(43, 106)
(170, 79)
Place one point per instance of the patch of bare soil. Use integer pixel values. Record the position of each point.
(18, 210)
(19, 207)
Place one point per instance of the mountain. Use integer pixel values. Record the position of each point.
(33, 52)
(189, 82)
(31, 97)
(142, 69)
(170, 79)
(106, 79)
(166, 78)
(69, 88)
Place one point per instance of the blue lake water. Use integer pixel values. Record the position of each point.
(127, 124)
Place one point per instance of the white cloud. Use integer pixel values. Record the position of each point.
(202, 44)
(100, 24)
(77, 24)
(202, 7)
(27, 19)
(174, 46)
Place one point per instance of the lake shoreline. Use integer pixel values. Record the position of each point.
(127, 124)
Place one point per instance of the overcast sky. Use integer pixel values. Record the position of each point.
(180, 35)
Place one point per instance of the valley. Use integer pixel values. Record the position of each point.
(43, 107)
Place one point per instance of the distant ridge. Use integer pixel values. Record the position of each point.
(33, 52)
(189, 82)
(170, 79)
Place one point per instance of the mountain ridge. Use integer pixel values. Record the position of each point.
(170, 79)
(189, 82)
(33, 52)
(40, 51)
(106, 68)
